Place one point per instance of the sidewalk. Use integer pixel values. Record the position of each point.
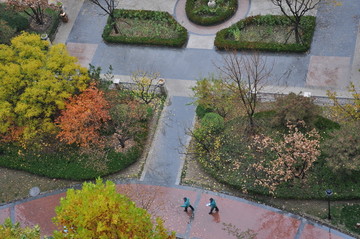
(264, 221)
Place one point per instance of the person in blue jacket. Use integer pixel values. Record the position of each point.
(187, 204)
(213, 206)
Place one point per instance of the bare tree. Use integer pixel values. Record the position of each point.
(294, 10)
(33, 8)
(246, 76)
(108, 6)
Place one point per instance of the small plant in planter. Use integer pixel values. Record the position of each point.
(210, 12)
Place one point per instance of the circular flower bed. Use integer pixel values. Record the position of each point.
(210, 12)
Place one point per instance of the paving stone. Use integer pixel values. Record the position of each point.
(328, 71)
(4, 213)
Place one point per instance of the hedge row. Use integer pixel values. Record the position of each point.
(146, 15)
(206, 20)
(55, 21)
(223, 41)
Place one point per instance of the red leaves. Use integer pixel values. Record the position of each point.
(84, 116)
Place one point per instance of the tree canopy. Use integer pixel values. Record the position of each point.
(84, 116)
(98, 211)
(9, 230)
(35, 81)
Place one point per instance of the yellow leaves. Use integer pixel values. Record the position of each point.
(97, 211)
(36, 80)
(345, 111)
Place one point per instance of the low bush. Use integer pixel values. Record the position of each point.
(14, 19)
(272, 27)
(201, 111)
(6, 32)
(145, 27)
(199, 13)
(212, 121)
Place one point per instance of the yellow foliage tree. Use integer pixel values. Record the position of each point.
(35, 81)
(9, 230)
(349, 110)
(98, 211)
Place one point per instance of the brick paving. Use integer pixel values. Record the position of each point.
(264, 221)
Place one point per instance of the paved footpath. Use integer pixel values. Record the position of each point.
(331, 63)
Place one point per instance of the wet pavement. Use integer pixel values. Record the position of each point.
(163, 164)
(327, 65)
(260, 220)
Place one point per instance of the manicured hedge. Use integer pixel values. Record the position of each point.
(55, 21)
(222, 40)
(145, 15)
(206, 20)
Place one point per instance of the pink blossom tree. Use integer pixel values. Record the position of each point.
(293, 156)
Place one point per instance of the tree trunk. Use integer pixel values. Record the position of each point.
(114, 25)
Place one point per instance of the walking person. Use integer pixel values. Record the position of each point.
(187, 204)
(213, 206)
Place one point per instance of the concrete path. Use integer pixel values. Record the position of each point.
(331, 63)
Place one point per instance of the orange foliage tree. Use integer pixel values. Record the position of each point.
(83, 117)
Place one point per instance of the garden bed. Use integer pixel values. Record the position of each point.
(59, 160)
(145, 27)
(12, 23)
(200, 13)
(320, 178)
(266, 33)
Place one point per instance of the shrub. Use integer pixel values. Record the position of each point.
(178, 41)
(202, 110)
(294, 108)
(210, 16)
(14, 19)
(224, 41)
(6, 32)
(213, 122)
(8, 230)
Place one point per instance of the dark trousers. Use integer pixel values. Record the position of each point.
(212, 209)
(189, 207)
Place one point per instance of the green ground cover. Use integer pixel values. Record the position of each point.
(319, 179)
(225, 149)
(266, 33)
(200, 13)
(145, 27)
